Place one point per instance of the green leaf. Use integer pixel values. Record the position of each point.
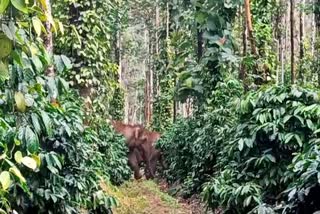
(20, 5)
(4, 71)
(271, 158)
(57, 161)
(43, 4)
(17, 142)
(37, 63)
(310, 124)
(14, 170)
(29, 100)
(32, 140)
(18, 157)
(37, 25)
(299, 141)
(286, 118)
(240, 144)
(5, 46)
(36, 123)
(76, 33)
(3, 5)
(29, 162)
(5, 180)
(247, 201)
(61, 28)
(7, 31)
(20, 101)
(17, 58)
(288, 137)
(66, 61)
(37, 159)
(47, 123)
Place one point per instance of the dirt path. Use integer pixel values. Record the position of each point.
(145, 197)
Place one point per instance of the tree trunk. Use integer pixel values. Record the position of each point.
(317, 23)
(313, 27)
(48, 40)
(250, 28)
(301, 55)
(242, 74)
(199, 39)
(292, 24)
(147, 83)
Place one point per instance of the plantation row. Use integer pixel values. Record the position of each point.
(55, 155)
(257, 153)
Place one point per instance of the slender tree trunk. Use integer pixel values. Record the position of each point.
(199, 39)
(126, 95)
(48, 40)
(150, 81)
(301, 55)
(286, 41)
(157, 26)
(157, 75)
(292, 24)
(147, 81)
(168, 22)
(175, 104)
(250, 27)
(242, 74)
(317, 53)
(313, 27)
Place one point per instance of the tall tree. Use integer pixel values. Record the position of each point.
(250, 27)
(292, 35)
(242, 73)
(301, 37)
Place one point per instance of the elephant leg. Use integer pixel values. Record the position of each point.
(134, 164)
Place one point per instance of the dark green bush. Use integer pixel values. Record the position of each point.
(191, 146)
(276, 131)
(259, 154)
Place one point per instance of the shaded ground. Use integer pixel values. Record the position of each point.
(146, 197)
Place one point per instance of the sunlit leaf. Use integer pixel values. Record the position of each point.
(5, 46)
(20, 101)
(16, 172)
(37, 25)
(76, 33)
(5, 180)
(20, 5)
(29, 162)
(43, 4)
(3, 5)
(18, 156)
(4, 71)
(37, 159)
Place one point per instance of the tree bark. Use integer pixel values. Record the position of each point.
(147, 83)
(250, 27)
(292, 24)
(242, 74)
(317, 23)
(301, 55)
(48, 39)
(313, 27)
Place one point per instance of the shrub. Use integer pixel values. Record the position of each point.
(276, 131)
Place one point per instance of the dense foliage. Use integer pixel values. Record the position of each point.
(50, 162)
(263, 157)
